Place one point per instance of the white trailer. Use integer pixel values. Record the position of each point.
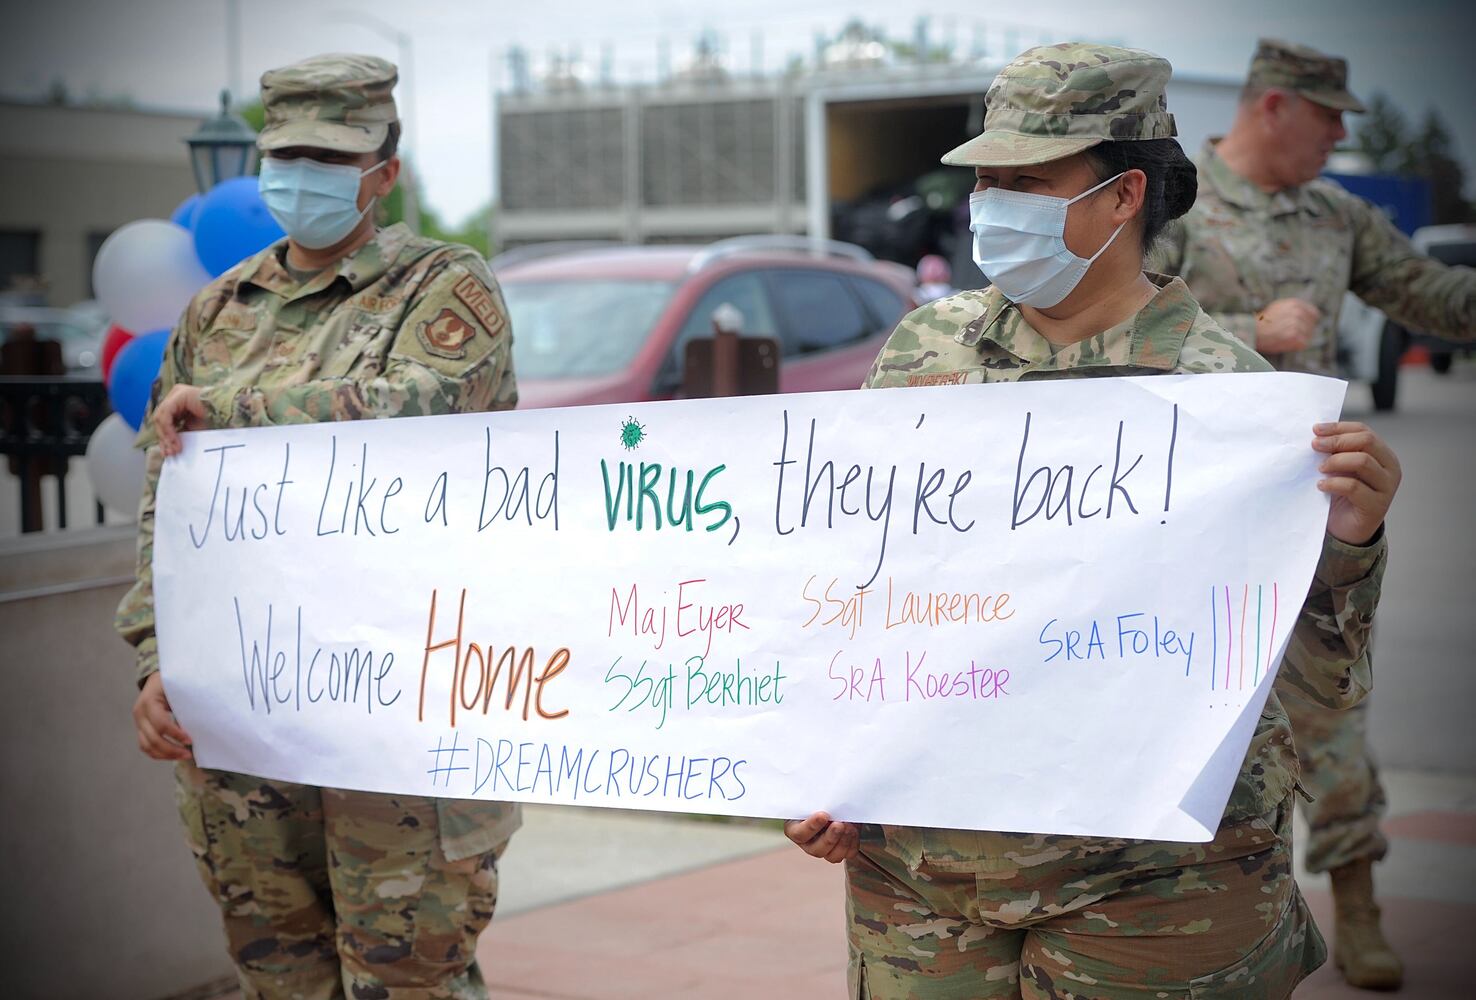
(865, 130)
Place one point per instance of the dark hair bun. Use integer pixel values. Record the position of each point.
(1180, 185)
(1172, 180)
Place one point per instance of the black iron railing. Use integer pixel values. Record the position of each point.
(44, 422)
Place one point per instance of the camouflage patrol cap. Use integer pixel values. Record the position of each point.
(341, 102)
(1056, 100)
(1320, 78)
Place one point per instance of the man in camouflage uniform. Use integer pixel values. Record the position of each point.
(1269, 250)
(325, 892)
(975, 914)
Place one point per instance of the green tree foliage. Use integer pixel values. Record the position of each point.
(1395, 147)
(1431, 157)
(472, 232)
(1383, 136)
(252, 113)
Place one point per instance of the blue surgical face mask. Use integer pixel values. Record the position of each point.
(317, 204)
(1020, 244)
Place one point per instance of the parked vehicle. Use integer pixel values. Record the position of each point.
(611, 324)
(78, 329)
(1450, 244)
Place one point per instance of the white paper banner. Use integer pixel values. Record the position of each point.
(1049, 607)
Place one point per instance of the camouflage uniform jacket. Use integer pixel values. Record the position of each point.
(979, 336)
(405, 326)
(1239, 249)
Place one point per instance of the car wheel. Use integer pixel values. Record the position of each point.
(1440, 361)
(1386, 386)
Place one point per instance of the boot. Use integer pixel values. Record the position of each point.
(1360, 951)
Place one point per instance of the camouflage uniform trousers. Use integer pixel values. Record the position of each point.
(330, 894)
(1150, 919)
(1342, 778)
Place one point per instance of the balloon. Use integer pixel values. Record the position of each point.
(184, 215)
(232, 224)
(146, 272)
(113, 342)
(114, 466)
(134, 371)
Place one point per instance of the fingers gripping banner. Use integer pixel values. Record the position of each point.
(1048, 607)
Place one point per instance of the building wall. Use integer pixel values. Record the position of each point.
(656, 164)
(73, 175)
(101, 894)
(650, 164)
(1202, 108)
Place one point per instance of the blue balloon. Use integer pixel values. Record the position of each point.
(232, 224)
(133, 375)
(184, 215)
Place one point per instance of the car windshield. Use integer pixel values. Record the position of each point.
(581, 329)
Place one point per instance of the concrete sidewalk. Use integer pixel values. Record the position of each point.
(601, 906)
(607, 905)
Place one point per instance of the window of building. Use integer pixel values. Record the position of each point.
(20, 257)
(95, 240)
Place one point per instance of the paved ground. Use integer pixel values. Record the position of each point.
(1420, 716)
(771, 924)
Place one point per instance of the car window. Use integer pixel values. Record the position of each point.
(580, 329)
(744, 292)
(819, 311)
(887, 307)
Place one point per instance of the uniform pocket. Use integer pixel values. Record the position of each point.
(452, 909)
(353, 345)
(1274, 967)
(470, 827)
(187, 799)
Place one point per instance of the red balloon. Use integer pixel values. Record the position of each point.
(113, 342)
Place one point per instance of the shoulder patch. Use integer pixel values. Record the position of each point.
(478, 298)
(446, 335)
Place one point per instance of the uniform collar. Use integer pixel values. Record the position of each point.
(1235, 189)
(359, 269)
(1152, 338)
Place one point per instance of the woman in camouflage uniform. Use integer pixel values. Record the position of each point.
(329, 892)
(1078, 157)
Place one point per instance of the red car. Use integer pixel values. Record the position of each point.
(610, 324)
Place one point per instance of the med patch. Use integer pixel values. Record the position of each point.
(479, 299)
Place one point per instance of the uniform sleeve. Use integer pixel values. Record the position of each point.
(1417, 291)
(452, 354)
(1242, 325)
(1210, 348)
(1168, 257)
(1327, 658)
(134, 619)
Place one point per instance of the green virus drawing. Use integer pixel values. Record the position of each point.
(632, 433)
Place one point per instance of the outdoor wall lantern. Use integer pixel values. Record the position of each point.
(222, 148)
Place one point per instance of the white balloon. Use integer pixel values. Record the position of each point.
(114, 466)
(145, 274)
